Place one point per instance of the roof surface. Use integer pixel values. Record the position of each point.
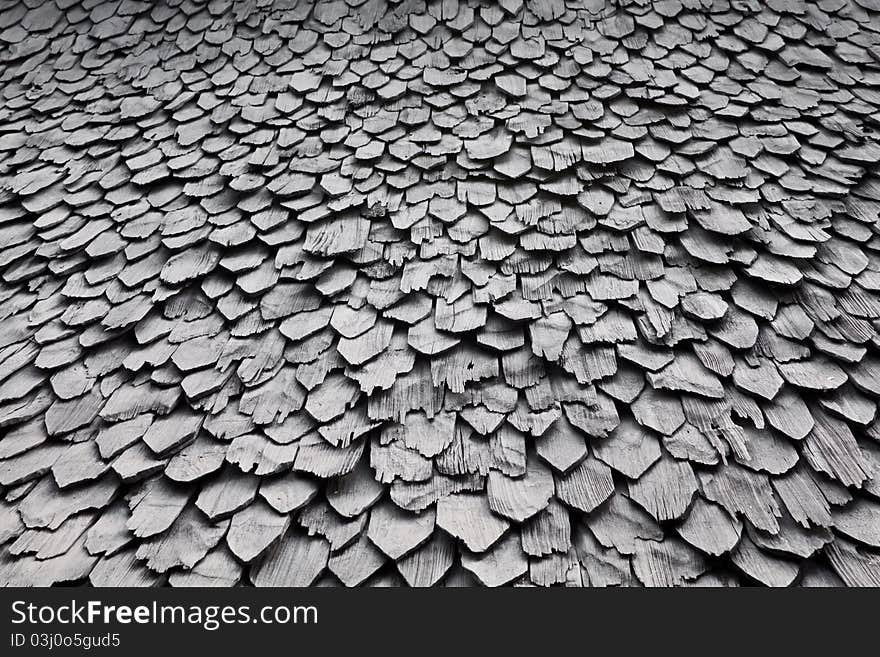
(452, 292)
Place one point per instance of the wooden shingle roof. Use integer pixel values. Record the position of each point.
(551, 292)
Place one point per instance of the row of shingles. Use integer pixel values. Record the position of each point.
(350, 563)
(250, 450)
(138, 459)
(600, 361)
(306, 328)
(353, 350)
(444, 435)
(856, 304)
(582, 485)
(183, 332)
(617, 323)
